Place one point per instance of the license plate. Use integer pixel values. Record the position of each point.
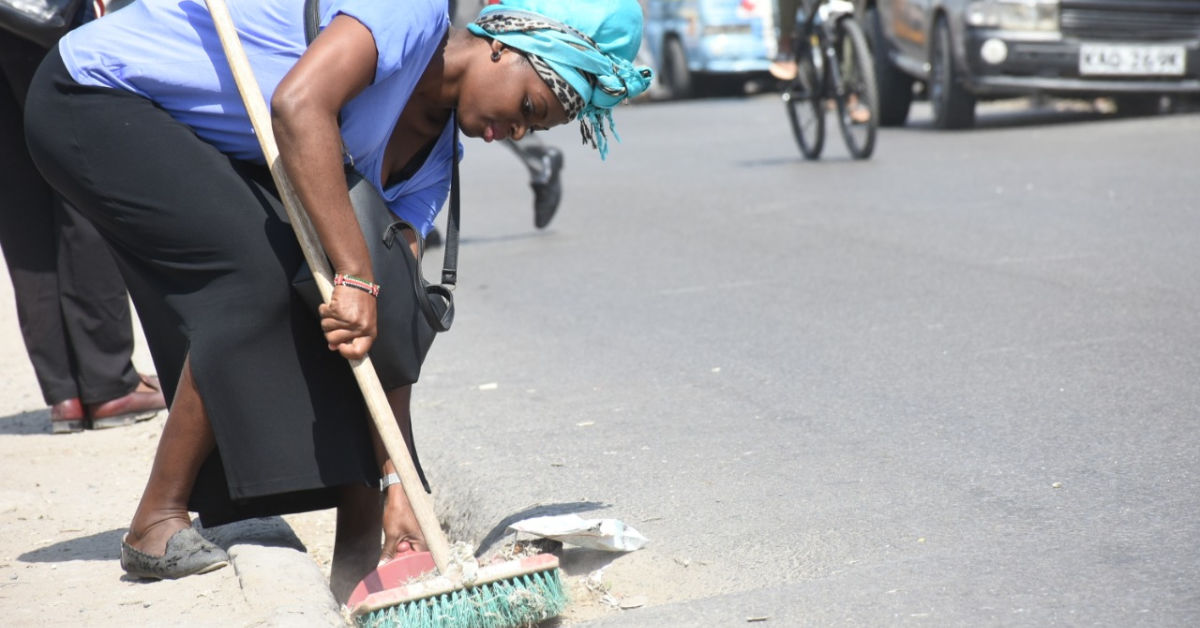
(1131, 60)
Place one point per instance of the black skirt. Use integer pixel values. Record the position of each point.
(208, 256)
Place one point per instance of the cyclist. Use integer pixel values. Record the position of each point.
(784, 68)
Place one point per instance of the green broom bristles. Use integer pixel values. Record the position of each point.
(521, 601)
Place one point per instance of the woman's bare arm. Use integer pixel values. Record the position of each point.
(338, 65)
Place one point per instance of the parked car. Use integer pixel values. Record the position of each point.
(965, 50)
(695, 44)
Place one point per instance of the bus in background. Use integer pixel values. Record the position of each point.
(698, 46)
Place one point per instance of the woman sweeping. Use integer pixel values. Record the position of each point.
(136, 120)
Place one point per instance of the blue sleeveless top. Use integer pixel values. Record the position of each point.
(168, 51)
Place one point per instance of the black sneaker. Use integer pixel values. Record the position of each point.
(433, 239)
(547, 187)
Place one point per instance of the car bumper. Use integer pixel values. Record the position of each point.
(1050, 64)
(734, 66)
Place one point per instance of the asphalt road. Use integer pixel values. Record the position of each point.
(953, 385)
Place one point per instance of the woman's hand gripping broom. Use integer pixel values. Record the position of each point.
(513, 593)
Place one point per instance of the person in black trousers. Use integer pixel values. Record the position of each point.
(71, 302)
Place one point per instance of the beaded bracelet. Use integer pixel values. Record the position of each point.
(357, 283)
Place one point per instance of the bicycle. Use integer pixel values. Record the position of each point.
(833, 64)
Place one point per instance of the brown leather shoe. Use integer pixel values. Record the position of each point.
(143, 403)
(67, 416)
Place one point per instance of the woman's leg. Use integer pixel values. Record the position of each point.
(401, 532)
(186, 441)
(356, 542)
(356, 549)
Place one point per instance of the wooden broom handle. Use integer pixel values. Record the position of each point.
(364, 372)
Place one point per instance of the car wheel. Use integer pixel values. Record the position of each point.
(953, 106)
(895, 87)
(676, 76)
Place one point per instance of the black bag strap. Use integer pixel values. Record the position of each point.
(312, 24)
(312, 20)
(441, 317)
(450, 252)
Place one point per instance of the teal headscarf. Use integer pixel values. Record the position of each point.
(589, 44)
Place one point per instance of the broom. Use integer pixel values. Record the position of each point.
(425, 588)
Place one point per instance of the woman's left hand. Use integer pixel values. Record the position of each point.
(348, 321)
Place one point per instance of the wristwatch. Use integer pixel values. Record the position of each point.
(388, 480)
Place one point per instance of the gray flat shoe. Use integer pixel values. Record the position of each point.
(188, 554)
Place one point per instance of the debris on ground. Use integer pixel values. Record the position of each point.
(633, 601)
(516, 549)
(610, 535)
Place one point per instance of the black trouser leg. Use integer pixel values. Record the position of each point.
(71, 302)
(530, 149)
(95, 309)
(27, 234)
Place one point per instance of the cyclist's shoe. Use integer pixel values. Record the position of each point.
(783, 69)
(859, 113)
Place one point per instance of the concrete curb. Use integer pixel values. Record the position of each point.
(281, 582)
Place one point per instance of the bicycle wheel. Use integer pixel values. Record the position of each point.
(856, 91)
(802, 99)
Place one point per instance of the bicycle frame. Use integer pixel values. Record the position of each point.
(817, 27)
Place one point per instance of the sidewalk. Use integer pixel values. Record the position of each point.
(65, 502)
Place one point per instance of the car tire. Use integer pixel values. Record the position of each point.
(953, 105)
(676, 77)
(894, 86)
